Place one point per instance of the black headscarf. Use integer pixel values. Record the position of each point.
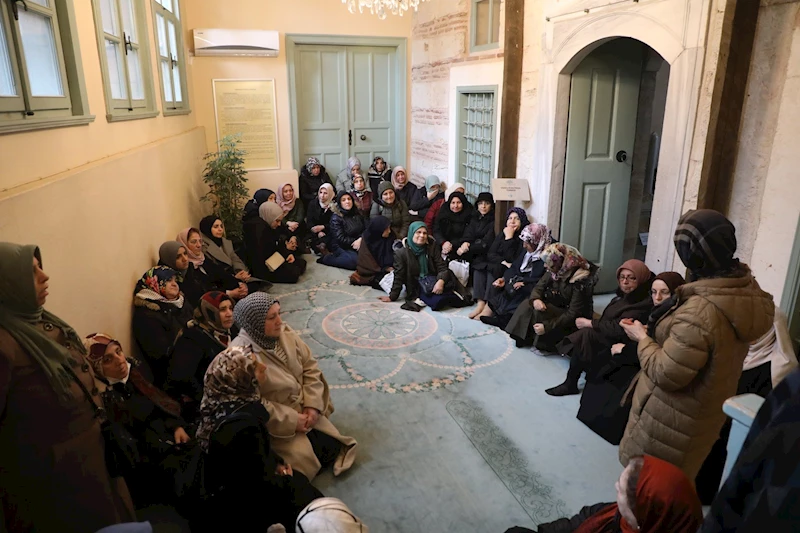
(380, 247)
(205, 227)
(342, 210)
(706, 241)
(456, 222)
(251, 208)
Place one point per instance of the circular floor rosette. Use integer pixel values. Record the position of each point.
(362, 342)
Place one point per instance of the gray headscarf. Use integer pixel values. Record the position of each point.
(168, 253)
(353, 161)
(269, 212)
(251, 313)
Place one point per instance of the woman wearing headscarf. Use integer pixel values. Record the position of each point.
(605, 404)
(242, 471)
(439, 201)
(419, 266)
(201, 340)
(294, 213)
(694, 362)
(261, 196)
(159, 315)
(52, 469)
(378, 171)
(451, 224)
(433, 192)
(590, 345)
(252, 223)
(375, 255)
(653, 496)
(344, 181)
(562, 295)
(362, 196)
(219, 249)
(262, 241)
(294, 391)
(151, 417)
(507, 245)
(318, 218)
(393, 208)
(347, 226)
(207, 274)
(414, 197)
(513, 288)
(173, 254)
(312, 176)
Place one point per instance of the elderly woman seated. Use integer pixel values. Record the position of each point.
(294, 390)
(390, 206)
(344, 181)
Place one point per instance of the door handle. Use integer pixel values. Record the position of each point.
(349, 137)
(622, 156)
(363, 137)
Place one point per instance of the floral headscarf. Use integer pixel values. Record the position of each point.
(538, 236)
(207, 313)
(152, 283)
(183, 238)
(523, 216)
(563, 261)
(230, 383)
(286, 205)
(311, 163)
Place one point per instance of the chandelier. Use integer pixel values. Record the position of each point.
(382, 7)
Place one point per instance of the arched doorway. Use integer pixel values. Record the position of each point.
(617, 99)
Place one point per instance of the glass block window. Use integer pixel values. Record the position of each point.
(476, 139)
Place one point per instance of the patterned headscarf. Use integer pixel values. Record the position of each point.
(706, 241)
(373, 169)
(207, 312)
(286, 205)
(538, 236)
(395, 183)
(269, 212)
(183, 238)
(311, 163)
(251, 313)
(562, 260)
(96, 345)
(523, 216)
(168, 255)
(230, 383)
(152, 283)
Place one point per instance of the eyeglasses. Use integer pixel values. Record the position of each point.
(627, 278)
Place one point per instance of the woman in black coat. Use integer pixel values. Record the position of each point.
(312, 176)
(347, 226)
(193, 282)
(159, 314)
(478, 238)
(202, 339)
(318, 218)
(208, 274)
(261, 236)
(451, 224)
(242, 472)
(413, 196)
(507, 245)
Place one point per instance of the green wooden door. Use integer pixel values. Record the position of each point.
(372, 86)
(602, 125)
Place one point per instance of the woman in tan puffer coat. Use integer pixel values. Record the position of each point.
(694, 363)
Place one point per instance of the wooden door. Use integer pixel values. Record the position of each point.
(371, 90)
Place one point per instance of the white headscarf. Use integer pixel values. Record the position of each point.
(331, 196)
(329, 515)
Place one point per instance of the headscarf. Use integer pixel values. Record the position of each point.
(638, 268)
(250, 314)
(665, 502)
(331, 196)
(379, 247)
(183, 238)
(523, 216)
(457, 222)
(420, 251)
(563, 261)
(339, 197)
(230, 383)
(205, 228)
(538, 236)
(373, 170)
(324, 515)
(286, 205)
(451, 189)
(363, 191)
(20, 314)
(706, 241)
(385, 186)
(207, 313)
(269, 212)
(251, 207)
(168, 255)
(353, 161)
(672, 280)
(395, 170)
(151, 285)
(431, 182)
(311, 162)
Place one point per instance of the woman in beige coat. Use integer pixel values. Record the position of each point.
(694, 363)
(294, 392)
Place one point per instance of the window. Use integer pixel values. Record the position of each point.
(125, 62)
(485, 25)
(171, 60)
(476, 138)
(41, 80)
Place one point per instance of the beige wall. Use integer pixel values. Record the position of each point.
(323, 17)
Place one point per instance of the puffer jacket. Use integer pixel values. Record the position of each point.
(691, 367)
(346, 228)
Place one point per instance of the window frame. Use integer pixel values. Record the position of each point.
(45, 112)
(169, 108)
(462, 94)
(126, 108)
(473, 27)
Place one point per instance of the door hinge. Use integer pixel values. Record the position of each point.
(349, 137)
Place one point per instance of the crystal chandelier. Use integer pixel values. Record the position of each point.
(382, 7)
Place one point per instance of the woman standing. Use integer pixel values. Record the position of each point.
(318, 218)
(362, 196)
(694, 362)
(312, 176)
(451, 224)
(378, 171)
(52, 469)
(347, 226)
(344, 181)
(391, 207)
(375, 255)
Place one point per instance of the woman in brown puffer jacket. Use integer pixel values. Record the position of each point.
(694, 363)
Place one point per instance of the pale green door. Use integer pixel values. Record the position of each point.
(602, 125)
(371, 71)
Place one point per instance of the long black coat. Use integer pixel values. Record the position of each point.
(210, 277)
(316, 216)
(346, 228)
(503, 249)
(309, 185)
(480, 236)
(451, 227)
(506, 300)
(415, 197)
(156, 325)
(261, 241)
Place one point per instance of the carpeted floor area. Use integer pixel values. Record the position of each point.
(455, 431)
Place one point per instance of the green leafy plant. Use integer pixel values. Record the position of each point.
(226, 178)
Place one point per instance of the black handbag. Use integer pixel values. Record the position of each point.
(427, 283)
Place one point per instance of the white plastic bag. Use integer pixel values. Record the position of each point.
(386, 284)
(461, 270)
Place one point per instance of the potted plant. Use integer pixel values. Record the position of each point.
(226, 178)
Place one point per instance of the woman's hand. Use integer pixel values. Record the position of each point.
(290, 258)
(518, 285)
(539, 305)
(438, 288)
(181, 437)
(292, 226)
(243, 275)
(464, 248)
(499, 283)
(447, 247)
(384, 299)
(506, 264)
(538, 329)
(633, 329)
(582, 323)
(317, 228)
(508, 232)
(302, 422)
(616, 349)
(284, 470)
(313, 416)
(238, 293)
(356, 244)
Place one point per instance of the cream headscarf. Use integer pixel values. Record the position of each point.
(269, 212)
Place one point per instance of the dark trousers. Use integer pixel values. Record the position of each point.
(325, 447)
(587, 350)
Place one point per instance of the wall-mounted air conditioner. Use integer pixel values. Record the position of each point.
(216, 42)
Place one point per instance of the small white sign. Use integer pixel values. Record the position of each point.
(514, 190)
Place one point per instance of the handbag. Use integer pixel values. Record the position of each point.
(386, 283)
(121, 448)
(460, 268)
(427, 283)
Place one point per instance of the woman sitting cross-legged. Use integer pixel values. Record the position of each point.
(201, 340)
(159, 315)
(478, 238)
(589, 346)
(243, 472)
(318, 219)
(451, 224)
(513, 288)
(219, 250)
(312, 177)
(149, 415)
(261, 236)
(362, 195)
(294, 391)
(375, 255)
(419, 266)
(344, 181)
(563, 294)
(393, 208)
(294, 213)
(414, 197)
(347, 226)
(378, 171)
